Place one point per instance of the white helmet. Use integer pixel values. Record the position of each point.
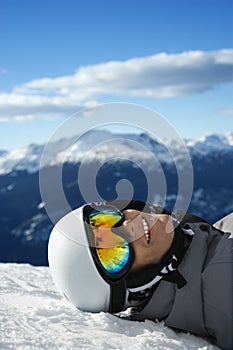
(75, 272)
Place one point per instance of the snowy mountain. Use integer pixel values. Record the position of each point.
(35, 317)
(212, 143)
(24, 224)
(95, 146)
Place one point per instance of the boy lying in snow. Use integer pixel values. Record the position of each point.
(166, 266)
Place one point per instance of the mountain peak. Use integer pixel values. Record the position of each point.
(212, 142)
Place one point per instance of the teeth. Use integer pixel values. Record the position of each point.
(146, 230)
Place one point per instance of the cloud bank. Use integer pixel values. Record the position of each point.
(158, 76)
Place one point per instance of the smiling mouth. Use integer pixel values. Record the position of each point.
(146, 230)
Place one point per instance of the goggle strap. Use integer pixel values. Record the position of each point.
(117, 297)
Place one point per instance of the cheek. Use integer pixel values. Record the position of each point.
(146, 254)
(139, 250)
(143, 253)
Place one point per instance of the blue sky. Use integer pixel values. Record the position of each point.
(56, 57)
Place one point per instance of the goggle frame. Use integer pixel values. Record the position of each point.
(109, 277)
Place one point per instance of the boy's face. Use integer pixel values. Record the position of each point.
(151, 236)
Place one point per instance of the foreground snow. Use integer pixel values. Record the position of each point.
(33, 315)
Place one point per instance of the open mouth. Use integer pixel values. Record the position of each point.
(146, 230)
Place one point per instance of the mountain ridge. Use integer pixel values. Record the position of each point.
(29, 158)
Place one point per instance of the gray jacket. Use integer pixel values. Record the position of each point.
(204, 305)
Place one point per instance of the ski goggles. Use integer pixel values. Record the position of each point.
(111, 251)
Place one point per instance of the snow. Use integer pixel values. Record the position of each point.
(20, 159)
(33, 315)
(41, 205)
(211, 143)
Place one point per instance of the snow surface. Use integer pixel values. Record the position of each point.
(33, 315)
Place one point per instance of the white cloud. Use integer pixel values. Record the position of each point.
(158, 76)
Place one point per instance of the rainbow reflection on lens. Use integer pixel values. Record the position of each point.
(112, 250)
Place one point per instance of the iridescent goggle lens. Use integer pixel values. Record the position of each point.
(113, 251)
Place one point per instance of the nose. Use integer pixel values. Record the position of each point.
(132, 225)
(128, 223)
(128, 228)
(130, 216)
